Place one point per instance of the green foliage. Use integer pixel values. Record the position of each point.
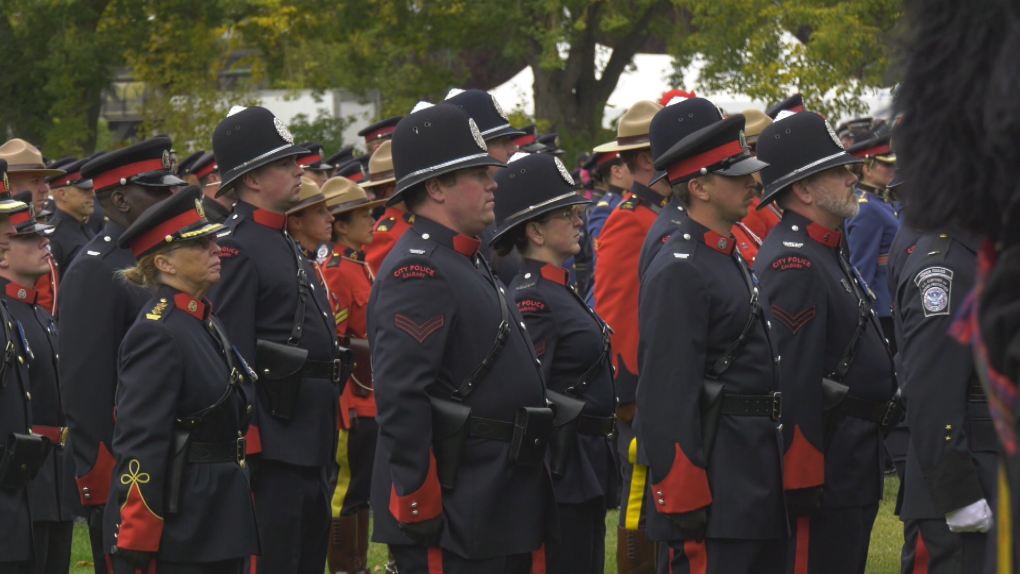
(324, 129)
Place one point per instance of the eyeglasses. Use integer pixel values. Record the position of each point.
(568, 215)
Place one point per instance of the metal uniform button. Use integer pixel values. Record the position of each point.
(424, 235)
(106, 239)
(795, 228)
(414, 512)
(414, 505)
(249, 409)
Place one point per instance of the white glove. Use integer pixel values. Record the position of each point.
(976, 517)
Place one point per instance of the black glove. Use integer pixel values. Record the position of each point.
(803, 501)
(691, 524)
(133, 558)
(425, 533)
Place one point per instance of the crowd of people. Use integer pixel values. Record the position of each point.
(716, 323)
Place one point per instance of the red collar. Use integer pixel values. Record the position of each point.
(824, 235)
(721, 244)
(271, 220)
(23, 294)
(467, 246)
(555, 274)
(197, 309)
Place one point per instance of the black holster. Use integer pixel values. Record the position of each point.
(532, 429)
(175, 468)
(279, 371)
(894, 414)
(24, 455)
(449, 435)
(833, 394)
(710, 402)
(362, 367)
(565, 423)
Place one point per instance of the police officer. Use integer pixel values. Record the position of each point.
(184, 168)
(26, 262)
(315, 168)
(99, 307)
(278, 315)
(340, 158)
(791, 105)
(395, 220)
(349, 281)
(476, 499)
(378, 133)
(952, 462)
(870, 233)
(180, 499)
(612, 179)
(207, 172)
(539, 215)
(75, 201)
(310, 223)
(527, 142)
(15, 418)
(708, 398)
(836, 362)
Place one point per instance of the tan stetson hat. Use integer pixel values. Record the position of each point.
(309, 195)
(380, 166)
(632, 131)
(343, 195)
(756, 121)
(23, 157)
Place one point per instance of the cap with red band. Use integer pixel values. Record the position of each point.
(121, 175)
(178, 218)
(380, 129)
(719, 148)
(146, 163)
(204, 165)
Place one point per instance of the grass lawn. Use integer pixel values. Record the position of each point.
(884, 558)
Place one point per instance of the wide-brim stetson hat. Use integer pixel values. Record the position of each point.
(309, 195)
(755, 122)
(23, 157)
(247, 139)
(632, 131)
(482, 107)
(676, 121)
(433, 141)
(796, 147)
(532, 184)
(343, 195)
(380, 166)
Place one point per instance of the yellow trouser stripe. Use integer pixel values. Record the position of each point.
(343, 479)
(637, 489)
(1005, 518)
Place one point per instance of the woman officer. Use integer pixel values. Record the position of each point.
(179, 494)
(538, 214)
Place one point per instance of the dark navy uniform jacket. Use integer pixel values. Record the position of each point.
(68, 237)
(433, 317)
(96, 310)
(51, 490)
(869, 236)
(695, 303)
(952, 457)
(815, 309)
(256, 299)
(667, 221)
(568, 340)
(15, 417)
(172, 366)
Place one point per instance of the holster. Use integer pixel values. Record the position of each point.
(532, 429)
(24, 455)
(566, 419)
(279, 370)
(710, 402)
(894, 413)
(362, 367)
(833, 394)
(449, 435)
(175, 468)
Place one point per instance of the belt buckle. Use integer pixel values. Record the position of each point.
(777, 406)
(612, 433)
(338, 369)
(242, 447)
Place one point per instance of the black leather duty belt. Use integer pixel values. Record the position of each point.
(880, 413)
(209, 452)
(976, 393)
(770, 405)
(490, 429)
(597, 426)
(331, 370)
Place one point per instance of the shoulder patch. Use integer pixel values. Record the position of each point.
(414, 270)
(935, 285)
(228, 252)
(784, 263)
(531, 306)
(159, 312)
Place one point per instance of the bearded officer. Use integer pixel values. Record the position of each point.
(98, 307)
(443, 505)
(826, 328)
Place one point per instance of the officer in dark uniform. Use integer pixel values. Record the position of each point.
(184, 168)
(207, 172)
(379, 132)
(455, 488)
(315, 168)
(75, 202)
(278, 315)
(952, 462)
(826, 328)
(793, 104)
(495, 128)
(340, 158)
(15, 417)
(353, 170)
(551, 141)
(50, 490)
(98, 307)
(708, 397)
(528, 141)
(539, 214)
(180, 498)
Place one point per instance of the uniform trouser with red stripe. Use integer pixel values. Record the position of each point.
(435, 560)
(831, 541)
(939, 551)
(723, 556)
